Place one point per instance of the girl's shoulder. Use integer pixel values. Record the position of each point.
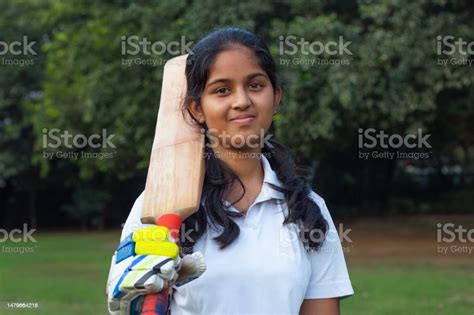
(319, 201)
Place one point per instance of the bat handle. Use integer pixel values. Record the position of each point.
(157, 303)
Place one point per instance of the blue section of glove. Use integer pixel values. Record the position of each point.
(125, 249)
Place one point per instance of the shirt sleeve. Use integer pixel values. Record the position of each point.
(329, 275)
(133, 221)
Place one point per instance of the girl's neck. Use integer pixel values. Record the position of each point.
(246, 164)
(248, 167)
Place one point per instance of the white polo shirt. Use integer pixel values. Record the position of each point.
(266, 270)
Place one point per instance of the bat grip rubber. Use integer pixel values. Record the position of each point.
(157, 303)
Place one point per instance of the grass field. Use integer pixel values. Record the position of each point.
(65, 274)
(394, 271)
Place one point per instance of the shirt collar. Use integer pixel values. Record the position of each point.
(267, 192)
(270, 177)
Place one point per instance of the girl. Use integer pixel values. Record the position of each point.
(269, 242)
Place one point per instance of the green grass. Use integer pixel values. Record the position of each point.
(66, 274)
(412, 289)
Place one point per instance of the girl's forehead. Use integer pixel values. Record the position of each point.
(234, 61)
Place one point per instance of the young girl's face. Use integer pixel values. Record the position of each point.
(238, 101)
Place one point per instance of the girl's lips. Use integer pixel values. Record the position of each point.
(244, 120)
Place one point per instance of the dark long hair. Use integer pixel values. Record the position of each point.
(302, 210)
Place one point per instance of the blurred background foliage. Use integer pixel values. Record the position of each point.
(77, 83)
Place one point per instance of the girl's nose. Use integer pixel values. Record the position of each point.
(242, 100)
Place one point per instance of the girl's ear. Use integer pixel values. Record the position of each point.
(196, 111)
(277, 99)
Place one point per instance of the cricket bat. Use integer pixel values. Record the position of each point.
(176, 171)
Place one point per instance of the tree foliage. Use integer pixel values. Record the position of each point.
(79, 84)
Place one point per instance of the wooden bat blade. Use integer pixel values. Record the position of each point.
(176, 171)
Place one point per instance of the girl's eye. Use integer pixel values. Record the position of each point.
(255, 85)
(221, 90)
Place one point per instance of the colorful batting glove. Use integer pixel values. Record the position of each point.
(145, 262)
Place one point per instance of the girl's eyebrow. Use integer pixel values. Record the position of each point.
(248, 77)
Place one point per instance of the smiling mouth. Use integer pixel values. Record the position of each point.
(244, 119)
